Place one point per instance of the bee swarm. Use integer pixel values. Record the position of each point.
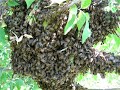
(51, 58)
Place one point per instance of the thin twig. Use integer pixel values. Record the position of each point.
(5, 69)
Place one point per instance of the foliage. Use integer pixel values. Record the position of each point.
(111, 44)
(2, 36)
(16, 83)
(118, 1)
(29, 2)
(79, 19)
(7, 80)
(86, 31)
(12, 3)
(71, 19)
(74, 17)
(85, 4)
(113, 6)
(90, 81)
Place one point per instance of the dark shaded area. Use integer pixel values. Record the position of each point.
(53, 59)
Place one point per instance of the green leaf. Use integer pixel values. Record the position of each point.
(29, 2)
(118, 1)
(73, 9)
(12, 3)
(70, 24)
(87, 16)
(114, 9)
(81, 20)
(86, 32)
(10, 12)
(79, 77)
(19, 83)
(3, 24)
(3, 77)
(85, 4)
(71, 19)
(2, 35)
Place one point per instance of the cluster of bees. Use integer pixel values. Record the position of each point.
(102, 22)
(51, 58)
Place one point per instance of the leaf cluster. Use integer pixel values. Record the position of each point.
(80, 19)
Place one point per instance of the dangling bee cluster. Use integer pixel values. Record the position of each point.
(40, 50)
(102, 22)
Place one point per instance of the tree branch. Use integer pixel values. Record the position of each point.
(104, 62)
(5, 69)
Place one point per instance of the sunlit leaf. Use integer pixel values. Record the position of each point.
(3, 77)
(10, 84)
(114, 9)
(29, 2)
(81, 20)
(87, 16)
(86, 32)
(70, 24)
(19, 83)
(12, 3)
(2, 24)
(71, 19)
(73, 9)
(79, 77)
(10, 12)
(85, 4)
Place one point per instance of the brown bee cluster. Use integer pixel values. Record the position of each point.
(102, 22)
(51, 58)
